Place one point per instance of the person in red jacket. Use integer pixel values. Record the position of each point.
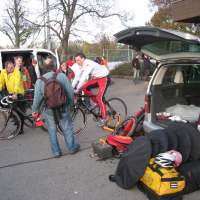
(70, 61)
(24, 72)
(66, 70)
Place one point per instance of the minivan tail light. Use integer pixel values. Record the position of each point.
(147, 103)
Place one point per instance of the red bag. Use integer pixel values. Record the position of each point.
(119, 142)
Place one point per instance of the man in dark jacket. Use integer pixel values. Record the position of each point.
(65, 120)
(136, 68)
(147, 67)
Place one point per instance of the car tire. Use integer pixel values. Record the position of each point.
(195, 141)
(172, 140)
(159, 141)
(184, 141)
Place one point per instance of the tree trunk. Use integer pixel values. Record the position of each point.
(64, 46)
(17, 25)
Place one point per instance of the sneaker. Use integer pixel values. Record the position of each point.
(57, 155)
(75, 150)
(21, 132)
(112, 178)
(101, 122)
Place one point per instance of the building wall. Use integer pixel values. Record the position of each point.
(186, 10)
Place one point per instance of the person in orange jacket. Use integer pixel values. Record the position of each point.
(104, 61)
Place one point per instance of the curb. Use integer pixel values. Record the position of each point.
(121, 76)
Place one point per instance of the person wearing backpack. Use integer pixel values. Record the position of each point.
(54, 92)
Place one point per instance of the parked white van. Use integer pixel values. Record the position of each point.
(30, 57)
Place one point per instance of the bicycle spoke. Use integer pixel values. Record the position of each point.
(2, 121)
(117, 105)
(28, 119)
(12, 125)
(79, 120)
(116, 112)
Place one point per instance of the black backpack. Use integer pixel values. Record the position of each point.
(54, 93)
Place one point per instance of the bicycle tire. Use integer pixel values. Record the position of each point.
(13, 126)
(123, 110)
(116, 112)
(127, 127)
(79, 121)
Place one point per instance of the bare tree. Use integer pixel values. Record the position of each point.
(15, 27)
(66, 14)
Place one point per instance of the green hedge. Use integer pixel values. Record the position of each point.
(124, 69)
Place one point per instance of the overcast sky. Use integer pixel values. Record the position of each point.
(140, 9)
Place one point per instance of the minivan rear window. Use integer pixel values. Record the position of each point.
(168, 47)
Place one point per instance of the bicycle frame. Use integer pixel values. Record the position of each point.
(109, 126)
(11, 107)
(80, 104)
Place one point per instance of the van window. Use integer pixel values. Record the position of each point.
(27, 56)
(41, 56)
(9, 56)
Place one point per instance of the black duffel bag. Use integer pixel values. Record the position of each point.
(133, 163)
(191, 172)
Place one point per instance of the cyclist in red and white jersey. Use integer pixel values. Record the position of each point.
(92, 75)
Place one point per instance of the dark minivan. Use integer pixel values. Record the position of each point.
(173, 93)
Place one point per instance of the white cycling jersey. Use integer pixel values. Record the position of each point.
(89, 67)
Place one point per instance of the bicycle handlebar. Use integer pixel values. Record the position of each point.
(5, 100)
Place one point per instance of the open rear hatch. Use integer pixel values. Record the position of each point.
(164, 45)
(157, 42)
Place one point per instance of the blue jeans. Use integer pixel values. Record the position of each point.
(67, 128)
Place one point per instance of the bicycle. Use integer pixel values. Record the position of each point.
(115, 107)
(132, 125)
(11, 117)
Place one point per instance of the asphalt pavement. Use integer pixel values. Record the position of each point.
(28, 171)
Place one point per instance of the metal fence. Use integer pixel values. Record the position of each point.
(119, 54)
(115, 55)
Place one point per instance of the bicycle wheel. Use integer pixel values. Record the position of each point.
(10, 125)
(116, 111)
(127, 127)
(79, 121)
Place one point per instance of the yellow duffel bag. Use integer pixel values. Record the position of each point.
(162, 181)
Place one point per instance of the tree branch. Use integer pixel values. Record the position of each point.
(9, 36)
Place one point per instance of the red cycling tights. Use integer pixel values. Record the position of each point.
(101, 84)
